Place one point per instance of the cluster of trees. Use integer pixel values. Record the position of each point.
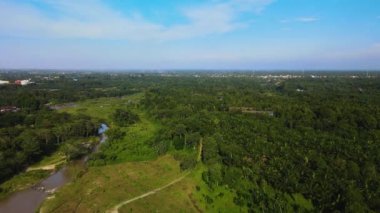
(26, 137)
(319, 151)
(124, 117)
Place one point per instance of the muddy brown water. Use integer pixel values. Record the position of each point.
(29, 200)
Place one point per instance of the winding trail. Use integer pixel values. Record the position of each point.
(116, 208)
(200, 150)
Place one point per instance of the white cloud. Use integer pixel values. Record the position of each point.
(95, 20)
(285, 21)
(307, 19)
(310, 19)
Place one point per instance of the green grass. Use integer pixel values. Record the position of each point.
(185, 197)
(135, 145)
(100, 188)
(176, 198)
(222, 197)
(103, 108)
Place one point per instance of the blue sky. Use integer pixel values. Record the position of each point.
(190, 34)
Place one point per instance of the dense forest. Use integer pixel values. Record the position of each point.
(282, 144)
(321, 144)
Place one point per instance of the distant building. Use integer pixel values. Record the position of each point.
(250, 110)
(5, 109)
(23, 82)
(3, 82)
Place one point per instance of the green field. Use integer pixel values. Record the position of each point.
(187, 196)
(101, 188)
(133, 169)
(103, 108)
(134, 146)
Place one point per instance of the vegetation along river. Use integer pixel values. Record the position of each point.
(29, 200)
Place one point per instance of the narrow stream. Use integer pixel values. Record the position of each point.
(28, 200)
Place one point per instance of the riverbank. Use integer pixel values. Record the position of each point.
(41, 180)
(49, 163)
(32, 175)
(21, 182)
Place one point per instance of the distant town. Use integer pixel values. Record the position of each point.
(17, 82)
(52, 75)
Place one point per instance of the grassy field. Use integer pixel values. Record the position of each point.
(176, 198)
(134, 170)
(101, 188)
(187, 196)
(103, 108)
(135, 145)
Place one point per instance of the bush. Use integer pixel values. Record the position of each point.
(115, 134)
(187, 160)
(188, 163)
(125, 118)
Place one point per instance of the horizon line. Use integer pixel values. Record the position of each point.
(189, 70)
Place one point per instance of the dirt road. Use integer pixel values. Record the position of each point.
(118, 206)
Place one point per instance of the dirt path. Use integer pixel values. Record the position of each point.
(47, 167)
(200, 149)
(118, 206)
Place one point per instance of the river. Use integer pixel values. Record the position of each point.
(29, 200)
